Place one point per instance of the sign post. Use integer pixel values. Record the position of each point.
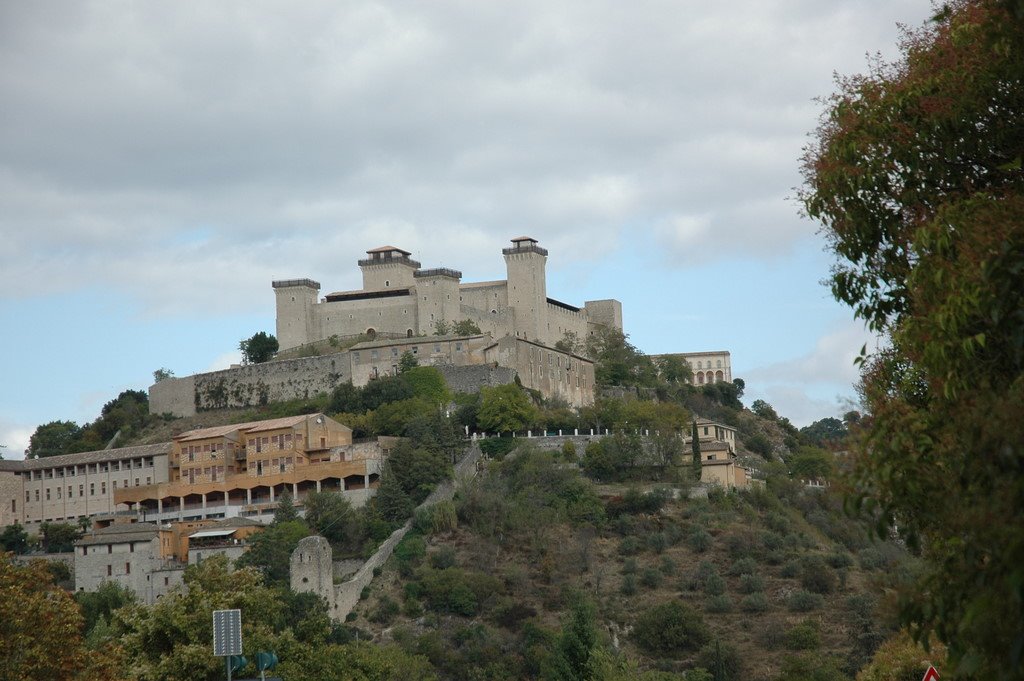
(227, 638)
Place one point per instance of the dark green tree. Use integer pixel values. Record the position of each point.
(162, 374)
(916, 177)
(385, 390)
(59, 537)
(53, 438)
(674, 369)
(466, 327)
(573, 658)
(345, 398)
(285, 511)
(391, 503)
(331, 515)
(829, 430)
(259, 348)
(407, 361)
(618, 362)
(270, 550)
(505, 409)
(14, 538)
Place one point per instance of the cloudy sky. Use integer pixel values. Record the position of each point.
(161, 163)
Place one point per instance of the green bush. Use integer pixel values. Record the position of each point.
(750, 584)
(670, 628)
(724, 658)
(719, 604)
(744, 566)
(385, 612)
(756, 602)
(839, 560)
(668, 566)
(657, 542)
(650, 578)
(569, 450)
(714, 585)
(699, 540)
(804, 601)
(816, 576)
(443, 558)
(412, 608)
(803, 636)
(790, 569)
(630, 546)
(629, 566)
(498, 447)
(628, 586)
(409, 553)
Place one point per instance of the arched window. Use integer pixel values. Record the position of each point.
(719, 376)
(408, 333)
(371, 333)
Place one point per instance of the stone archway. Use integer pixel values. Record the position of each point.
(719, 376)
(371, 333)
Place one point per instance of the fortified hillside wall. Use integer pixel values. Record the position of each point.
(277, 381)
(469, 379)
(250, 385)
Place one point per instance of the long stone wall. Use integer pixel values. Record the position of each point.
(469, 379)
(347, 594)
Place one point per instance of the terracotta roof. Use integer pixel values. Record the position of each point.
(96, 456)
(388, 249)
(237, 521)
(251, 426)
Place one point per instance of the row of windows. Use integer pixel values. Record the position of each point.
(59, 491)
(90, 469)
(699, 364)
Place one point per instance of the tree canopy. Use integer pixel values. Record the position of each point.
(915, 175)
(258, 348)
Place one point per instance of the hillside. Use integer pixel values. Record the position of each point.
(776, 580)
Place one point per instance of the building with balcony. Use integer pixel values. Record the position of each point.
(242, 469)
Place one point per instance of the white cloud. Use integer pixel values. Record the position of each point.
(296, 136)
(817, 384)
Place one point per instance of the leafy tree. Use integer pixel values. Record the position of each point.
(764, 410)
(384, 390)
(675, 369)
(426, 383)
(162, 374)
(810, 463)
(442, 328)
(14, 538)
(577, 641)
(505, 409)
(270, 550)
(391, 503)
(418, 470)
(670, 628)
(824, 431)
(916, 178)
(331, 516)
(345, 398)
(99, 604)
(466, 327)
(618, 362)
(41, 629)
(285, 511)
(59, 537)
(407, 361)
(570, 343)
(53, 438)
(259, 348)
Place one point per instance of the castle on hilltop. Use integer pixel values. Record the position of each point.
(399, 299)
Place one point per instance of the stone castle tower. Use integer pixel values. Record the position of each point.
(312, 569)
(398, 299)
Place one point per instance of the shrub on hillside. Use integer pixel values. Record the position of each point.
(754, 603)
(718, 604)
(744, 566)
(750, 584)
(699, 540)
(804, 601)
(804, 636)
(839, 560)
(724, 659)
(498, 447)
(650, 578)
(670, 629)
(816, 576)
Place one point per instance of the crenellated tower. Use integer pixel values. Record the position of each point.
(527, 287)
(296, 322)
(388, 267)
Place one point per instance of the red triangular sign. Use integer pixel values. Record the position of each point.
(931, 675)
